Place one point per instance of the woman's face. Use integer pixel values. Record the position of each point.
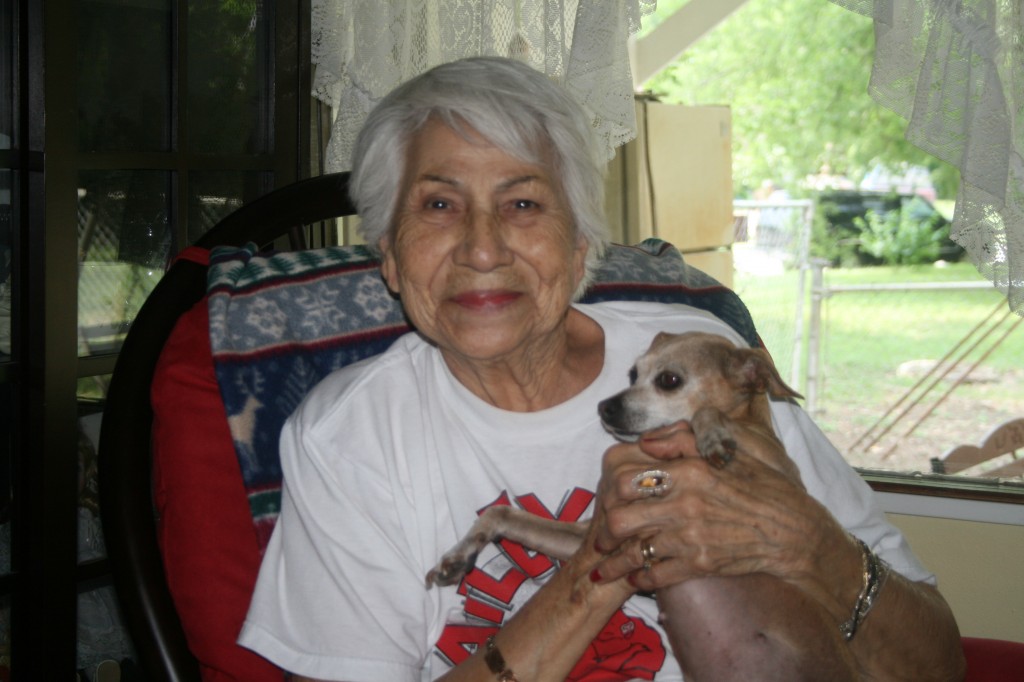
(483, 251)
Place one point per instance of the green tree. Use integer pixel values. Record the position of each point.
(795, 73)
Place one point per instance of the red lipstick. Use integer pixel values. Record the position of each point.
(488, 298)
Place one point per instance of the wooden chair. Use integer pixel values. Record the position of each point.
(1004, 443)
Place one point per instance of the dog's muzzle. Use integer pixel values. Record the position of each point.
(612, 413)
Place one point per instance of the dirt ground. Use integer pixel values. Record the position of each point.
(964, 417)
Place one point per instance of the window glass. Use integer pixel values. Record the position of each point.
(124, 77)
(230, 100)
(105, 651)
(8, 426)
(6, 262)
(6, 75)
(104, 647)
(899, 362)
(124, 241)
(215, 194)
(9, 422)
(92, 392)
(5, 637)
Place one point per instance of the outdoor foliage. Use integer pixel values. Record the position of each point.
(837, 245)
(854, 228)
(898, 239)
(795, 74)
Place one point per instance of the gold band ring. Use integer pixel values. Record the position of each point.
(647, 553)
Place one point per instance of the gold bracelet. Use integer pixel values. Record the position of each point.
(874, 571)
(496, 662)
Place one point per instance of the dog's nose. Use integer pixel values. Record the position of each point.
(609, 410)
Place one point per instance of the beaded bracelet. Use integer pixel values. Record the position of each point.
(496, 662)
(874, 572)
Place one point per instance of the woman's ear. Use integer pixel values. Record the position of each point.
(389, 265)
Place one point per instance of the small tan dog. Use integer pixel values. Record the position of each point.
(706, 380)
(723, 392)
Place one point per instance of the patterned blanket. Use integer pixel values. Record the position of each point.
(280, 322)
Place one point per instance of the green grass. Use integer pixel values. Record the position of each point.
(870, 333)
(923, 324)
(865, 338)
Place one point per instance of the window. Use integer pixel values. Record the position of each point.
(126, 131)
(900, 347)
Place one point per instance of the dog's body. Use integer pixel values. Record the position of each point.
(752, 627)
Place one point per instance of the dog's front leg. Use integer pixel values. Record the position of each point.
(719, 438)
(715, 440)
(557, 539)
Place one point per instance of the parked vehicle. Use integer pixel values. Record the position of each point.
(862, 227)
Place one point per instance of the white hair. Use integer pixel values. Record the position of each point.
(512, 106)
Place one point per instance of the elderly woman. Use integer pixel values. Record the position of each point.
(482, 186)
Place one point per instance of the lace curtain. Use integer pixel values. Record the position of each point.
(955, 70)
(362, 49)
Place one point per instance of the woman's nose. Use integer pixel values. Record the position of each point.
(484, 246)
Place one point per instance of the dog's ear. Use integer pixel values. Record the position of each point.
(753, 371)
(660, 339)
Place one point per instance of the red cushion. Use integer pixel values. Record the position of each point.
(993, 660)
(206, 532)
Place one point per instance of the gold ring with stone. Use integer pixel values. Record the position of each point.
(651, 483)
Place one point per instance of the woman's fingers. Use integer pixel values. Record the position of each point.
(669, 442)
(628, 476)
(745, 518)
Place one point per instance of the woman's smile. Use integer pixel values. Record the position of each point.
(486, 300)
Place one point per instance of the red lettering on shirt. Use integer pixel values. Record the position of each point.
(627, 648)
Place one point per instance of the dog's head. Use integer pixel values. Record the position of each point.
(681, 373)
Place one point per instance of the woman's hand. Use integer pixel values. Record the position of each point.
(747, 517)
(752, 517)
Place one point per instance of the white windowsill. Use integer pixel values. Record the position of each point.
(951, 508)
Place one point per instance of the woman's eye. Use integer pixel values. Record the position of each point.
(438, 204)
(521, 211)
(668, 381)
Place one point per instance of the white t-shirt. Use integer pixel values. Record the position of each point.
(388, 462)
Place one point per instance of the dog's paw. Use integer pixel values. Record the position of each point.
(715, 441)
(719, 452)
(450, 570)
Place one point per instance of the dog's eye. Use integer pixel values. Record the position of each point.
(632, 375)
(668, 381)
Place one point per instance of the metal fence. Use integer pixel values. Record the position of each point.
(914, 388)
(771, 238)
(908, 406)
